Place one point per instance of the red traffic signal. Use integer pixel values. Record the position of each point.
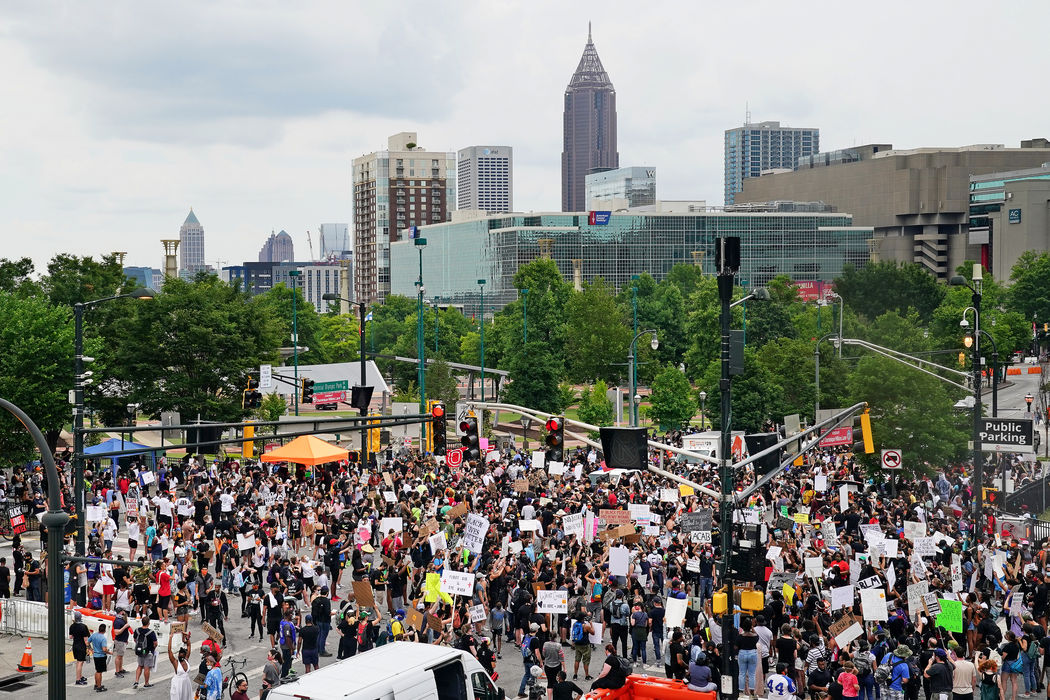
(470, 440)
(555, 439)
(438, 410)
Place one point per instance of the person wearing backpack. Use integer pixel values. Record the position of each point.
(619, 617)
(864, 663)
(579, 635)
(614, 670)
(530, 646)
(145, 645)
(893, 673)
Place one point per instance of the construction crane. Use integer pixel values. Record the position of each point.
(311, 242)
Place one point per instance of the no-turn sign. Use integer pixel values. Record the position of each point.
(891, 459)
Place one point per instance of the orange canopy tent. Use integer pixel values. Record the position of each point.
(308, 450)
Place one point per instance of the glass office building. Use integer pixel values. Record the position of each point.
(806, 246)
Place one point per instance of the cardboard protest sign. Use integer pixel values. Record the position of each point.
(552, 602)
(434, 622)
(213, 634)
(521, 485)
(456, 511)
(414, 619)
(363, 594)
(847, 628)
(176, 628)
(615, 516)
(616, 532)
(432, 525)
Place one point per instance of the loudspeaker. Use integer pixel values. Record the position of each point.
(761, 441)
(625, 448)
(361, 397)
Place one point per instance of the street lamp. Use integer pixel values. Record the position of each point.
(524, 316)
(293, 278)
(703, 404)
(481, 284)
(968, 342)
(978, 457)
(654, 343)
(329, 296)
(525, 421)
(80, 380)
(420, 244)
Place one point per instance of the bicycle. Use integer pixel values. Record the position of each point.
(229, 684)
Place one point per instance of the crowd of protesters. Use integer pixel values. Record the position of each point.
(291, 547)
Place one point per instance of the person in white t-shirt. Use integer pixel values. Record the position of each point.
(133, 537)
(779, 686)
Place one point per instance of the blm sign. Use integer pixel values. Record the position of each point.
(1007, 435)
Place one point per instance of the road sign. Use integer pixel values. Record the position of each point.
(330, 392)
(837, 437)
(891, 459)
(1007, 435)
(265, 377)
(454, 458)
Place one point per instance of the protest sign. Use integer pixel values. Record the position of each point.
(529, 525)
(814, 567)
(438, 542)
(245, 542)
(477, 613)
(456, 511)
(389, 497)
(843, 497)
(925, 547)
(556, 468)
(700, 536)
(668, 495)
(521, 485)
(801, 518)
(914, 530)
(572, 524)
(95, 514)
(457, 582)
(674, 612)
(618, 558)
(388, 524)
(692, 565)
(956, 569)
(820, 483)
(950, 617)
(848, 629)
(873, 604)
(213, 634)
(932, 606)
(614, 516)
(841, 597)
(363, 594)
(414, 619)
(474, 532)
(915, 593)
(552, 602)
(870, 582)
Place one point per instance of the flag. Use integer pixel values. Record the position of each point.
(368, 317)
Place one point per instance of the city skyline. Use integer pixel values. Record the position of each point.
(122, 125)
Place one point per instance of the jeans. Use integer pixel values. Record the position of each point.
(323, 628)
(867, 687)
(525, 678)
(658, 643)
(286, 662)
(707, 588)
(638, 649)
(1028, 670)
(747, 659)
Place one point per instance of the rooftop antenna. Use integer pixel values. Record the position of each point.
(747, 113)
(589, 33)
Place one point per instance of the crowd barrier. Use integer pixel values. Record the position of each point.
(29, 619)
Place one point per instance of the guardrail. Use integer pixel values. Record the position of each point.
(1031, 498)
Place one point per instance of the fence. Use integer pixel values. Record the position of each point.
(29, 619)
(1031, 498)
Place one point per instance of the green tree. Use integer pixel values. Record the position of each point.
(15, 275)
(36, 369)
(443, 385)
(534, 379)
(662, 308)
(671, 402)
(1030, 288)
(595, 407)
(189, 350)
(879, 287)
(71, 279)
(337, 338)
(702, 327)
(272, 407)
(276, 303)
(596, 335)
(757, 396)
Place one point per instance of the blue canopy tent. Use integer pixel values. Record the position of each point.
(118, 445)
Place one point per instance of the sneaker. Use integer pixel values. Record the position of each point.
(81, 681)
(83, 678)
(325, 653)
(148, 685)
(135, 685)
(100, 689)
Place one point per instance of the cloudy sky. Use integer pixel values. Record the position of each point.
(118, 116)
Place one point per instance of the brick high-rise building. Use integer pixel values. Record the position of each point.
(394, 190)
(589, 128)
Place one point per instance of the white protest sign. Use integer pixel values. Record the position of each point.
(388, 524)
(556, 468)
(692, 565)
(477, 613)
(870, 582)
(577, 471)
(437, 542)
(873, 604)
(915, 593)
(538, 459)
(638, 511)
(849, 634)
(890, 547)
(552, 602)
(245, 542)
(668, 495)
(595, 637)
(841, 597)
(572, 524)
(891, 577)
(474, 532)
(674, 612)
(95, 514)
(529, 525)
(914, 530)
(618, 557)
(773, 552)
(147, 477)
(843, 498)
(389, 497)
(925, 547)
(820, 483)
(957, 578)
(457, 583)
(814, 567)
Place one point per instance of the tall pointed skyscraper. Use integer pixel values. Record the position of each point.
(191, 246)
(589, 136)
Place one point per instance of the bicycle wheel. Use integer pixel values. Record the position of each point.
(235, 681)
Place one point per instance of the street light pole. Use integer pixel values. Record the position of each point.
(978, 456)
(816, 376)
(481, 284)
(634, 379)
(293, 276)
(421, 243)
(726, 272)
(361, 338)
(703, 404)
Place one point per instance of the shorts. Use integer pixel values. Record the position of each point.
(162, 601)
(583, 653)
(118, 649)
(551, 672)
(100, 664)
(79, 654)
(141, 592)
(310, 658)
(133, 544)
(108, 589)
(147, 661)
(272, 625)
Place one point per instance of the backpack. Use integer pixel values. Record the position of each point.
(625, 665)
(526, 646)
(863, 666)
(884, 674)
(577, 635)
(142, 645)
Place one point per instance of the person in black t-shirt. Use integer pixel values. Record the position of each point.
(564, 689)
(79, 632)
(308, 636)
(5, 579)
(613, 675)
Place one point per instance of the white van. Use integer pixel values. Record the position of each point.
(396, 671)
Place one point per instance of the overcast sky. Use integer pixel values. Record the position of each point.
(118, 116)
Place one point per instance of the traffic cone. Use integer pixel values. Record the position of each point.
(26, 664)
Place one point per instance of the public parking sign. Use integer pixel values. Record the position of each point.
(1007, 435)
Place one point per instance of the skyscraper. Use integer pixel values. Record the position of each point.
(394, 190)
(752, 149)
(191, 245)
(335, 241)
(589, 128)
(485, 178)
(277, 248)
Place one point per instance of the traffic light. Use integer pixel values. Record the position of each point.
(252, 399)
(471, 444)
(253, 383)
(437, 417)
(308, 391)
(555, 440)
(865, 432)
(373, 434)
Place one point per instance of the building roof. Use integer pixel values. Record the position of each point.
(191, 219)
(589, 73)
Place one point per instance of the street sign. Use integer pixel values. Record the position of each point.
(837, 437)
(454, 458)
(330, 392)
(1007, 435)
(891, 459)
(265, 377)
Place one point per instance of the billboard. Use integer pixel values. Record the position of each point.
(599, 218)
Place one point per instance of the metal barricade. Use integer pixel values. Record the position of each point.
(23, 617)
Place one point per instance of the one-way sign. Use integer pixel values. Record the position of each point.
(1007, 435)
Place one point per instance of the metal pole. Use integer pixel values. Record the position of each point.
(364, 409)
(816, 380)
(978, 457)
(78, 432)
(841, 314)
(295, 339)
(632, 418)
(437, 326)
(725, 295)
(633, 363)
(54, 520)
(420, 349)
(995, 382)
(525, 316)
(481, 283)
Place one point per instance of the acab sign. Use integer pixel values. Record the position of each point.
(1007, 434)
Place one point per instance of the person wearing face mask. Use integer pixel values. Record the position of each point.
(181, 683)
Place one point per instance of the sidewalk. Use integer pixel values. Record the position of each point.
(11, 650)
